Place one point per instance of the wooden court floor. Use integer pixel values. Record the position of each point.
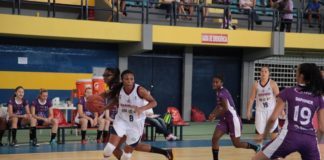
(196, 153)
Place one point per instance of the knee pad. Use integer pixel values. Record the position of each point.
(126, 156)
(108, 151)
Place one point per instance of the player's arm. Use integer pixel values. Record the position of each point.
(320, 116)
(147, 96)
(81, 113)
(219, 110)
(33, 113)
(10, 112)
(275, 88)
(280, 105)
(251, 100)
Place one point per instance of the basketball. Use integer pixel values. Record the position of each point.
(95, 103)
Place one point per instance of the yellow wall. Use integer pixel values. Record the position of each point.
(304, 41)
(66, 29)
(67, 2)
(36, 80)
(192, 36)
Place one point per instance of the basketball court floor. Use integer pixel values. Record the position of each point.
(183, 150)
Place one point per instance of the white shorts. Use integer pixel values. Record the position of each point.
(132, 130)
(261, 119)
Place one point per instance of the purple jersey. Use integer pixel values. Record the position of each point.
(42, 109)
(18, 109)
(301, 108)
(82, 101)
(224, 94)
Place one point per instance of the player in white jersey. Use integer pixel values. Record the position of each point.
(130, 118)
(264, 92)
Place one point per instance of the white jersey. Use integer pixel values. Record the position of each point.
(126, 110)
(265, 98)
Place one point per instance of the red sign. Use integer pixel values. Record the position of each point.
(214, 38)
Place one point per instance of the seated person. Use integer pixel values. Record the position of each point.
(313, 10)
(161, 127)
(42, 115)
(86, 119)
(3, 122)
(19, 113)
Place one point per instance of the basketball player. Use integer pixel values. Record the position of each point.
(111, 78)
(130, 117)
(43, 115)
(298, 133)
(19, 113)
(264, 92)
(230, 122)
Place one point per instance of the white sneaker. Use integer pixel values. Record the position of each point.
(171, 137)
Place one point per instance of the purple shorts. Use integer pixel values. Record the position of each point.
(290, 141)
(230, 125)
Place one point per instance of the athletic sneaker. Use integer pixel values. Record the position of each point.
(14, 143)
(84, 141)
(259, 148)
(171, 137)
(53, 142)
(169, 154)
(34, 143)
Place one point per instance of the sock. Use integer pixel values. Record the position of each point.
(1, 134)
(105, 134)
(252, 146)
(215, 153)
(99, 133)
(53, 136)
(83, 134)
(158, 151)
(32, 133)
(14, 133)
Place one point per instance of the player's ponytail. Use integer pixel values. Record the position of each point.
(312, 77)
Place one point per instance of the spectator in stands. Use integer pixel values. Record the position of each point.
(161, 127)
(204, 9)
(247, 6)
(186, 8)
(19, 113)
(3, 123)
(42, 115)
(114, 7)
(285, 8)
(166, 4)
(313, 10)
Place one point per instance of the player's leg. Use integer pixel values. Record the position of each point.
(84, 126)
(148, 148)
(274, 130)
(14, 124)
(32, 133)
(105, 136)
(117, 133)
(235, 128)
(54, 122)
(3, 127)
(101, 125)
(260, 123)
(219, 131)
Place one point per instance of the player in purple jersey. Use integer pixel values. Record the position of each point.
(19, 113)
(298, 133)
(43, 115)
(230, 122)
(88, 119)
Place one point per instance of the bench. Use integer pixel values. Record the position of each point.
(174, 128)
(60, 132)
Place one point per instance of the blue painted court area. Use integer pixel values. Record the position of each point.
(70, 147)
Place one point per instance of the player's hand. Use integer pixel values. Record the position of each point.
(91, 122)
(212, 117)
(138, 110)
(248, 115)
(95, 121)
